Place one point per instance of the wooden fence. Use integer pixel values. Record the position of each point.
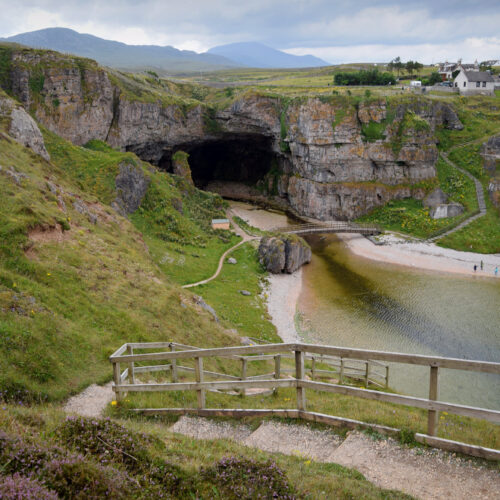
(124, 382)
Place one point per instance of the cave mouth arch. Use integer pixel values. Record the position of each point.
(244, 159)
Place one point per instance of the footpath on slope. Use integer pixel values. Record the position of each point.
(245, 237)
(428, 474)
(479, 194)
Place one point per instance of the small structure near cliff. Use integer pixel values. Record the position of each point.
(284, 254)
(437, 202)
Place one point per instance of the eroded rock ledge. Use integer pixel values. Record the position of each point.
(284, 254)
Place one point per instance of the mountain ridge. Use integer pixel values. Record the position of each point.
(258, 55)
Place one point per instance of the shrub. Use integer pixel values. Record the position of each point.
(364, 77)
(18, 487)
(237, 478)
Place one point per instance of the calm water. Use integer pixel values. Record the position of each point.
(351, 301)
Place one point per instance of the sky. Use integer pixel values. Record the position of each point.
(336, 30)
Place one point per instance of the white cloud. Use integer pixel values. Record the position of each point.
(469, 50)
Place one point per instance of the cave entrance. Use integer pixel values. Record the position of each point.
(241, 159)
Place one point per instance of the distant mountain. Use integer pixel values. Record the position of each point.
(120, 55)
(258, 55)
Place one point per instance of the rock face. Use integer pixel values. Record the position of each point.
(284, 254)
(490, 151)
(131, 186)
(22, 127)
(334, 158)
(446, 210)
(180, 166)
(435, 198)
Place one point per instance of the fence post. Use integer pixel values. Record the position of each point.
(299, 375)
(341, 378)
(387, 377)
(433, 415)
(367, 371)
(244, 365)
(313, 367)
(277, 369)
(117, 380)
(173, 366)
(131, 372)
(200, 393)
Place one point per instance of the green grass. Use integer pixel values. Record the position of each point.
(151, 443)
(248, 314)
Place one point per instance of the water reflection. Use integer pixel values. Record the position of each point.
(355, 302)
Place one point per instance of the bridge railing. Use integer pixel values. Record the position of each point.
(124, 382)
(331, 226)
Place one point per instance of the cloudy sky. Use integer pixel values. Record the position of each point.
(335, 30)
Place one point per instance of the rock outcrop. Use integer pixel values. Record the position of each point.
(22, 127)
(334, 157)
(435, 198)
(131, 186)
(284, 254)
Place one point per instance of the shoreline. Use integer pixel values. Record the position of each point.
(283, 295)
(423, 256)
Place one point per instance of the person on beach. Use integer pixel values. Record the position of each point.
(481, 265)
(475, 267)
(496, 271)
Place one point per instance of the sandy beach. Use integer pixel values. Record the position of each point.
(285, 289)
(419, 255)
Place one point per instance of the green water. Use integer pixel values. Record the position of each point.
(351, 301)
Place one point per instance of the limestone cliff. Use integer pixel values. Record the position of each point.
(334, 157)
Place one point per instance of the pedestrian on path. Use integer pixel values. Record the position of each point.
(475, 267)
(482, 265)
(496, 271)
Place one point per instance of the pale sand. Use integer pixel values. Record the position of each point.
(284, 291)
(426, 256)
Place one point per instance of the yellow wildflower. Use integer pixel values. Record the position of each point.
(48, 274)
(114, 403)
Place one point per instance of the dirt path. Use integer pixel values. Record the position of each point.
(245, 237)
(424, 473)
(92, 401)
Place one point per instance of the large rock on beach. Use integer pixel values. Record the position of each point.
(284, 254)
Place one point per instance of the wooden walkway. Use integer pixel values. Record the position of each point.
(330, 227)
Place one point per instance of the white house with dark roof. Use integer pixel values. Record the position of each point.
(474, 82)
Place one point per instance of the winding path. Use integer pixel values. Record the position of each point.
(245, 237)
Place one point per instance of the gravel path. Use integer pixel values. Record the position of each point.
(428, 474)
(92, 401)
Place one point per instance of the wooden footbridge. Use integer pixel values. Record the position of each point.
(297, 366)
(330, 227)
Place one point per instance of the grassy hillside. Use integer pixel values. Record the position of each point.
(71, 291)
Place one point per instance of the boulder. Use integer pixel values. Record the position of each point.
(232, 260)
(284, 254)
(435, 198)
(245, 292)
(131, 186)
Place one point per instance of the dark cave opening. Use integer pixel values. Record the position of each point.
(243, 159)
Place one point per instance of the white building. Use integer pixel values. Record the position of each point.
(474, 82)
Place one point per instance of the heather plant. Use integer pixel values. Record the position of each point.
(236, 478)
(111, 443)
(17, 487)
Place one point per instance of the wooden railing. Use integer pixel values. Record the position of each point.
(331, 227)
(125, 382)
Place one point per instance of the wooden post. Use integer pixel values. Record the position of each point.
(387, 377)
(117, 380)
(277, 369)
(131, 373)
(299, 375)
(313, 367)
(173, 367)
(244, 365)
(341, 378)
(433, 415)
(367, 371)
(198, 370)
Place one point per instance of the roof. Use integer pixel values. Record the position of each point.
(219, 221)
(478, 76)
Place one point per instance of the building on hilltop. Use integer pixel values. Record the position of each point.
(474, 82)
(447, 69)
